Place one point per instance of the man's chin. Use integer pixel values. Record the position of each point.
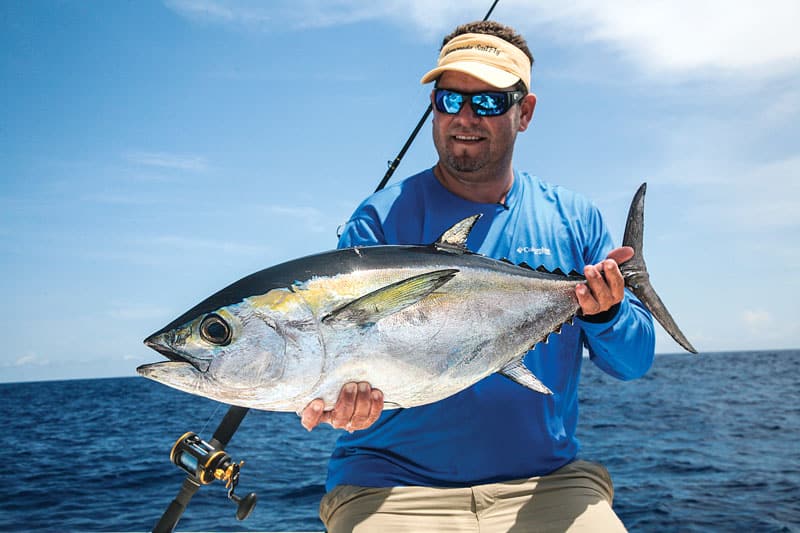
(465, 164)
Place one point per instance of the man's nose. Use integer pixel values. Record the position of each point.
(466, 113)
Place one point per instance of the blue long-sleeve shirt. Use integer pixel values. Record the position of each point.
(494, 430)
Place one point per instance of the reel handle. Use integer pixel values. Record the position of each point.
(244, 505)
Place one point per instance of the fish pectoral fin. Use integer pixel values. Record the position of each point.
(518, 372)
(388, 300)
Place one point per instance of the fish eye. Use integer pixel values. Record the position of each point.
(215, 330)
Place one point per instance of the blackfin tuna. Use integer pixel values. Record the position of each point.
(420, 323)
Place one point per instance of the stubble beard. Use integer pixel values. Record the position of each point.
(465, 163)
(477, 167)
(471, 165)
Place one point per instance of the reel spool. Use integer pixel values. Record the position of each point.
(205, 463)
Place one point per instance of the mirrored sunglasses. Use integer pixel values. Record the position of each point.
(484, 103)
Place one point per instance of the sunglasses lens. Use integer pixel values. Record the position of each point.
(448, 101)
(489, 104)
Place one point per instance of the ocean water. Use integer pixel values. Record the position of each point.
(702, 443)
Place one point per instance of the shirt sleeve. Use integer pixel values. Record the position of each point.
(363, 229)
(624, 346)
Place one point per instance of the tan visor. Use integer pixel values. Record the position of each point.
(486, 57)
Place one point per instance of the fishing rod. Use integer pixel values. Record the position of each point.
(205, 462)
(396, 162)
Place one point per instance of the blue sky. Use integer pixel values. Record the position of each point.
(153, 152)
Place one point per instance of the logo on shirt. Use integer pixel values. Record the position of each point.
(533, 250)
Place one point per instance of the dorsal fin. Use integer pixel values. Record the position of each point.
(454, 240)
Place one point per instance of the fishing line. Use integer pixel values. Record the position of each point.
(396, 162)
(211, 417)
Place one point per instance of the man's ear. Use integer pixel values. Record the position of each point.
(527, 106)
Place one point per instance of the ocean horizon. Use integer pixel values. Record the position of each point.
(704, 442)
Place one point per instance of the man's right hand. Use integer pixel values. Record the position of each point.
(358, 407)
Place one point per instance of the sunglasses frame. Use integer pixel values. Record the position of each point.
(511, 98)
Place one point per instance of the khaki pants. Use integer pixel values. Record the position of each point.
(576, 497)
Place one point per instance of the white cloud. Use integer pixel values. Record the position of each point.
(780, 106)
(673, 40)
(186, 244)
(756, 318)
(118, 199)
(747, 197)
(312, 218)
(134, 312)
(239, 12)
(696, 38)
(165, 160)
(30, 359)
(765, 331)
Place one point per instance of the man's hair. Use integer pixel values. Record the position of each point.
(490, 27)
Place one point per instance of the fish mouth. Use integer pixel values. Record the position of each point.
(153, 369)
(158, 343)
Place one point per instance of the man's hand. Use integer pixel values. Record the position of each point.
(358, 407)
(605, 286)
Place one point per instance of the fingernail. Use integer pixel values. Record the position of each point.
(362, 387)
(376, 395)
(350, 388)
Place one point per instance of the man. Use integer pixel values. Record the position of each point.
(496, 456)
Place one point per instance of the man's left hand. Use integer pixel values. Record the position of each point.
(358, 407)
(605, 286)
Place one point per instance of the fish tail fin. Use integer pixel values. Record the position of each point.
(635, 271)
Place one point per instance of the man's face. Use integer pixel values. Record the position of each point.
(475, 147)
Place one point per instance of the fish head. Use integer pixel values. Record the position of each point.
(221, 354)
